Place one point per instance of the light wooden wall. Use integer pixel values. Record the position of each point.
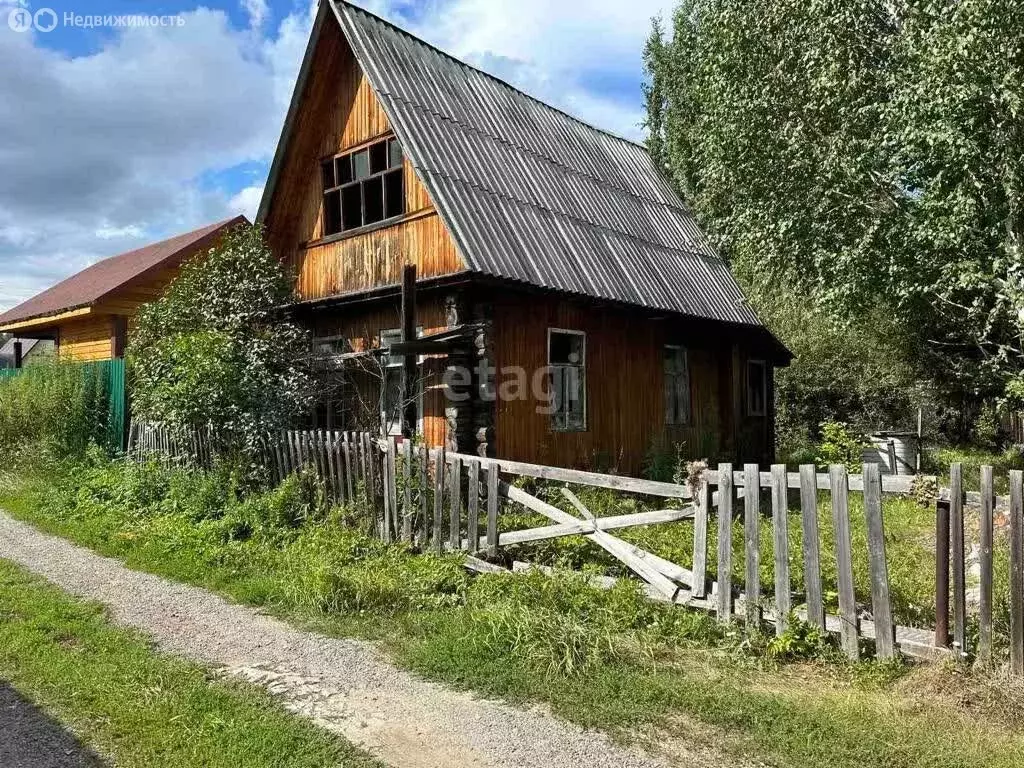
(87, 339)
(339, 112)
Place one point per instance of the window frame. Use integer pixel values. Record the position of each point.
(582, 367)
(687, 417)
(763, 365)
(338, 190)
(395, 429)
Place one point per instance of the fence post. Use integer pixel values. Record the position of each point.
(780, 530)
(1017, 572)
(752, 543)
(473, 523)
(956, 523)
(392, 487)
(811, 545)
(455, 518)
(985, 597)
(849, 627)
(385, 524)
(492, 510)
(881, 603)
(702, 506)
(424, 496)
(725, 493)
(439, 465)
(407, 513)
(941, 573)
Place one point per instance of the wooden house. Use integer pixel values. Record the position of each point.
(87, 316)
(540, 245)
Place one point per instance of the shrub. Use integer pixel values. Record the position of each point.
(840, 445)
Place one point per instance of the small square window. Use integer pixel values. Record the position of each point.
(379, 157)
(343, 166)
(567, 366)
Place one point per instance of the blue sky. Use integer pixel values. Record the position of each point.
(114, 137)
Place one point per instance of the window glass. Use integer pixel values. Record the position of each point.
(567, 364)
(394, 154)
(361, 164)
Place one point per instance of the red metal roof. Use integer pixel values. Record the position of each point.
(105, 277)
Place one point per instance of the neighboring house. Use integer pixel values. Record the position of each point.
(554, 246)
(16, 352)
(87, 315)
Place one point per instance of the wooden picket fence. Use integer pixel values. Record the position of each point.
(444, 501)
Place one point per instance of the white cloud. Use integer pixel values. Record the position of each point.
(247, 202)
(105, 152)
(257, 11)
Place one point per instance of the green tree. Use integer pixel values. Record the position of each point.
(216, 350)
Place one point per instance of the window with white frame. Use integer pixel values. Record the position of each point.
(567, 358)
(757, 387)
(677, 385)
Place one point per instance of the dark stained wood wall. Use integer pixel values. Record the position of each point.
(625, 389)
(340, 112)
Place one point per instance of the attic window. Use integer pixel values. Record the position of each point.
(363, 187)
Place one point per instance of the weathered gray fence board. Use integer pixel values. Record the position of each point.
(1017, 572)
(473, 506)
(811, 545)
(700, 538)
(881, 602)
(849, 629)
(958, 565)
(492, 510)
(455, 509)
(724, 596)
(439, 465)
(986, 532)
(407, 508)
(752, 547)
(780, 530)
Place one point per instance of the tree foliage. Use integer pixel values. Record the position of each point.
(863, 155)
(216, 351)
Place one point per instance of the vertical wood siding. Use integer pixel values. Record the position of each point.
(624, 384)
(339, 111)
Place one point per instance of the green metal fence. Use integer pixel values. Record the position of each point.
(101, 381)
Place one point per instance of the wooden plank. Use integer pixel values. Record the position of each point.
(985, 561)
(350, 465)
(391, 450)
(881, 602)
(455, 515)
(424, 488)
(942, 574)
(439, 464)
(338, 466)
(700, 537)
(473, 511)
(725, 491)
(386, 523)
(752, 547)
(958, 565)
(780, 530)
(370, 449)
(632, 557)
(407, 509)
(610, 523)
(1017, 572)
(492, 510)
(811, 541)
(850, 623)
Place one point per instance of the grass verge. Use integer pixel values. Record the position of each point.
(136, 707)
(605, 659)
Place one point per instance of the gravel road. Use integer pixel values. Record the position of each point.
(345, 685)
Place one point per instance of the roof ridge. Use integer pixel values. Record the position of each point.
(505, 83)
(681, 206)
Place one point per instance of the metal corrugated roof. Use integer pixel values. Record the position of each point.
(530, 193)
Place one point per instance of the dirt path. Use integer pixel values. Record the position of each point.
(345, 685)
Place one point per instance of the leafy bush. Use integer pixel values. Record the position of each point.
(214, 350)
(840, 445)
